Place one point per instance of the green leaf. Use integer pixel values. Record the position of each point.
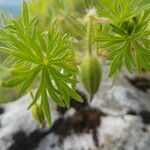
(5, 18)
(29, 80)
(4, 72)
(36, 48)
(46, 107)
(121, 10)
(128, 60)
(42, 43)
(5, 50)
(53, 92)
(38, 92)
(73, 94)
(45, 103)
(33, 25)
(19, 29)
(115, 65)
(118, 30)
(13, 82)
(25, 14)
(33, 54)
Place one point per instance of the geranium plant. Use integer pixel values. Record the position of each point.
(42, 57)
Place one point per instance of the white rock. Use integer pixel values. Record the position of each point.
(117, 130)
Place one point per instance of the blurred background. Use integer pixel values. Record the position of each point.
(9, 6)
(12, 7)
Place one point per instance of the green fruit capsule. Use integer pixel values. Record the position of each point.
(91, 74)
(38, 114)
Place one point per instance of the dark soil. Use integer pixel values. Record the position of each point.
(132, 112)
(74, 104)
(140, 83)
(84, 120)
(144, 129)
(145, 115)
(1, 110)
(24, 142)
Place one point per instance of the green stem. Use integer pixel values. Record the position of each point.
(89, 35)
(31, 94)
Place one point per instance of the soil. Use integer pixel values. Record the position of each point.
(132, 112)
(145, 115)
(1, 110)
(30, 142)
(74, 104)
(140, 83)
(85, 120)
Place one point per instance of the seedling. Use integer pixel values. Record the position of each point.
(45, 57)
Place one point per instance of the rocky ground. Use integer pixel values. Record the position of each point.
(118, 118)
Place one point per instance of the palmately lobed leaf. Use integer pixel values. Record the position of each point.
(128, 37)
(40, 55)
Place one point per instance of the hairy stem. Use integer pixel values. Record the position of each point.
(89, 35)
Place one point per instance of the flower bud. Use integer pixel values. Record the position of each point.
(91, 74)
(38, 114)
